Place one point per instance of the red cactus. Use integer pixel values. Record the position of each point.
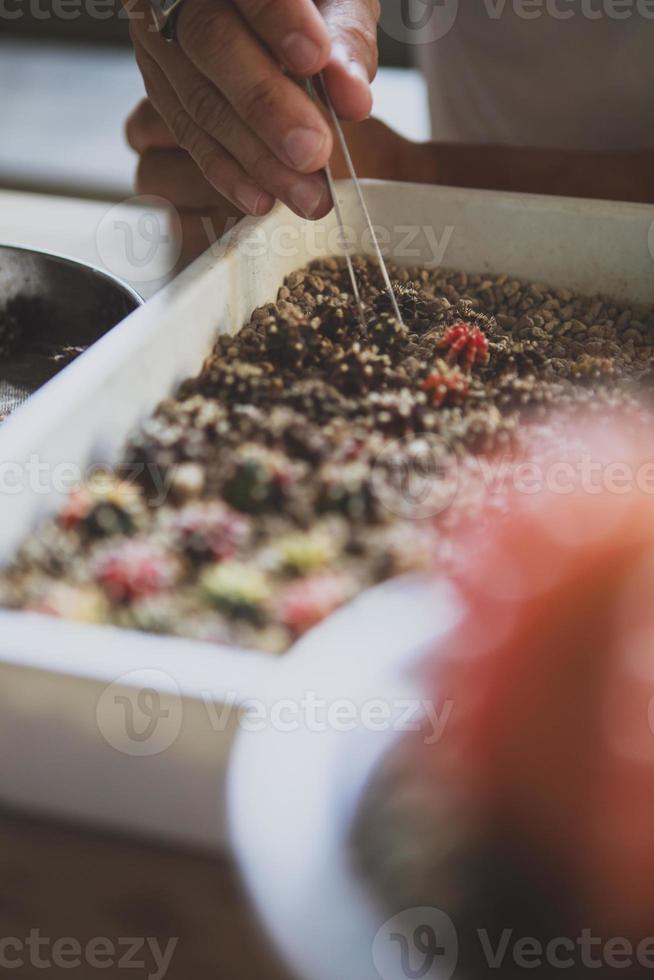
(445, 384)
(134, 569)
(310, 600)
(464, 344)
(76, 508)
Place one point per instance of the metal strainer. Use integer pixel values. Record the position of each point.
(59, 304)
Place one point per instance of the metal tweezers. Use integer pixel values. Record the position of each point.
(364, 207)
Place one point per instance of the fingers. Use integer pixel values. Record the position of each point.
(307, 195)
(293, 31)
(217, 41)
(169, 172)
(145, 129)
(352, 25)
(220, 169)
(173, 175)
(203, 214)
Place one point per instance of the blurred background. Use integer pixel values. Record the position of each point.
(111, 28)
(69, 79)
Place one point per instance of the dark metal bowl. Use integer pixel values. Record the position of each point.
(60, 304)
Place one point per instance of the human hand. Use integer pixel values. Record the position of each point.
(224, 95)
(167, 171)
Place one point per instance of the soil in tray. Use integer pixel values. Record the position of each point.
(312, 458)
(29, 356)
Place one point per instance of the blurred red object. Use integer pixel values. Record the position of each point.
(551, 675)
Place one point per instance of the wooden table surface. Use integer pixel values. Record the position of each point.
(68, 882)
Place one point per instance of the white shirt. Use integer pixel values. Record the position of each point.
(496, 76)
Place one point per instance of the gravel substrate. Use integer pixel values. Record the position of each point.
(273, 487)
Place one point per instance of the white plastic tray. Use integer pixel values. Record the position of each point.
(65, 744)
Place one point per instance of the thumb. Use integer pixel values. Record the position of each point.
(352, 26)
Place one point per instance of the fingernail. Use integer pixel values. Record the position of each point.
(250, 198)
(308, 196)
(301, 53)
(302, 146)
